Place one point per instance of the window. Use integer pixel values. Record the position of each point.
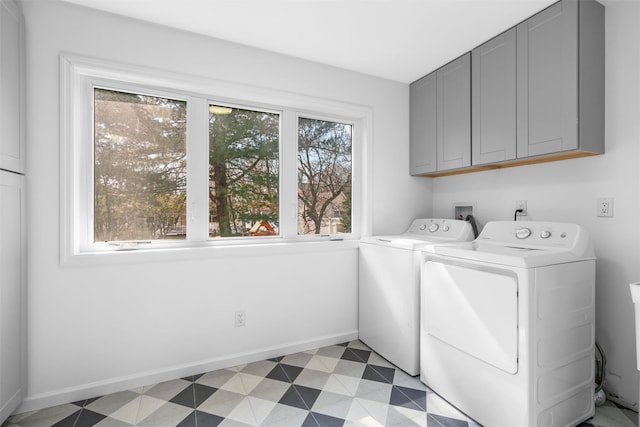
(243, 172)
(324, 177)
(139, 167)
(160, 161)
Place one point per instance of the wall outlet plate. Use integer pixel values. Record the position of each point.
(604, 207)
(240, 318)
(521, 205)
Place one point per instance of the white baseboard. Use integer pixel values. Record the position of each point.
(11, 405)
(100, 388)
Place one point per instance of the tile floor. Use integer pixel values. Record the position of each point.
(339, 385)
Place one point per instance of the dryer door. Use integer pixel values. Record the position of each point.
(473, 309)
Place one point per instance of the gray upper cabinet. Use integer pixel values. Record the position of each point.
(11, 87)
(532, 94)
(423, 125)
(493, 100)
(560, 80)
(440, 130)
(454, 114)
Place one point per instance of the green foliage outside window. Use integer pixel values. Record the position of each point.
(139, 167)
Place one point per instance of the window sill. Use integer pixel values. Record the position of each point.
(206, 251)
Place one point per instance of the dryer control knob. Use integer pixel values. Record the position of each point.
(433, 228)
(523, 233)
(423, 226)
(446, 228)
(545, 234)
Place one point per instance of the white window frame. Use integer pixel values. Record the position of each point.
(79, 76)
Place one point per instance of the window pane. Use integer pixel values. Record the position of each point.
(324, 177)
(140, 167)
(243, 172)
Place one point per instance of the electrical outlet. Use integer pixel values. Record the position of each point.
(521, 205)
(604, 207)
(241, 318)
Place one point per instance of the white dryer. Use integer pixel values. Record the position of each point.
(508, 324)
(389, 288)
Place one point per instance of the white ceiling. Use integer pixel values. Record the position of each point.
(399, 40)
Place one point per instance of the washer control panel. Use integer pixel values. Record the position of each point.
(441, 228)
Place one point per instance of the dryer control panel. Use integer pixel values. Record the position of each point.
(535, 234)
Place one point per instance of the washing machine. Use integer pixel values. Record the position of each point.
(389, 288)
(508, 324)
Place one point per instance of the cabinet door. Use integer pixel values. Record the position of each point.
(547, 81)
(493, 100)
(12, 293)
(11, 69)
(454, 114)
(423, 125)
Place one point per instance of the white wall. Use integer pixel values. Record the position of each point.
(567, 191)
(98, 329)
(94, 330)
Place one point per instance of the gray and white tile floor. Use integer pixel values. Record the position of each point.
(339, 385)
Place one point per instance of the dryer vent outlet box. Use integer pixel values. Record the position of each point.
(461, 210)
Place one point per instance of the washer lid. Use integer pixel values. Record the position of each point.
(404, 241)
